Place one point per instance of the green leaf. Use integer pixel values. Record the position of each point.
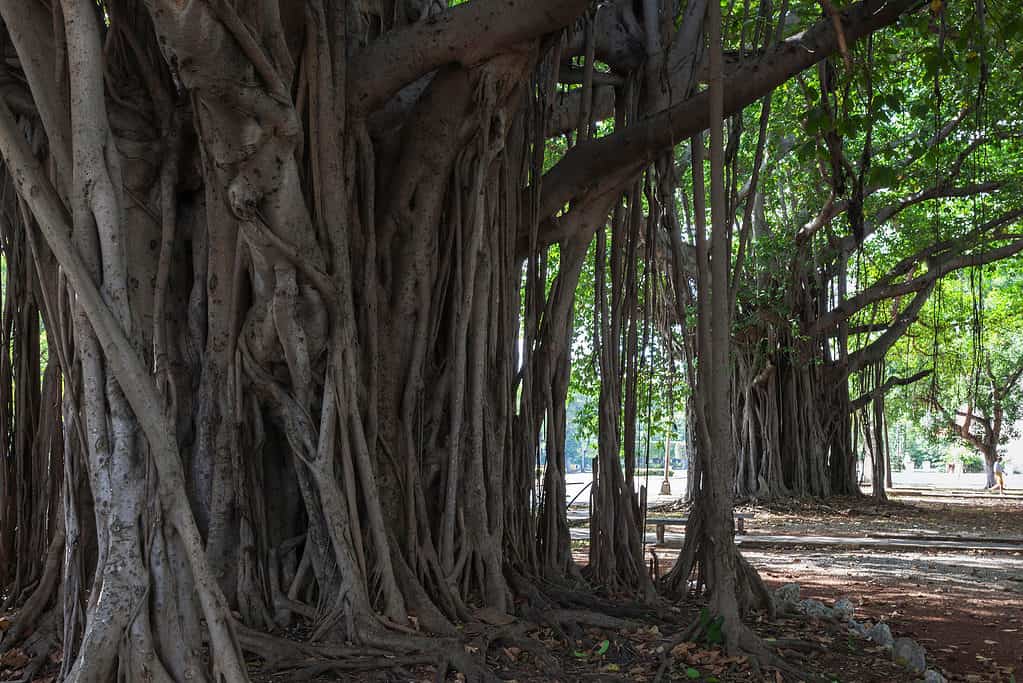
(604, 645)
(714, 633)
(580, 654)
(692, 673)
(921, 109)
(883, 176)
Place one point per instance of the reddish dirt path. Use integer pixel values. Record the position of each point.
(966, 608)
(955, 626)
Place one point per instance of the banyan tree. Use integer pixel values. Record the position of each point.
(902, 200)
(305, 276)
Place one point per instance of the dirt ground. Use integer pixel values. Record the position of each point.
(966, 606)
(648, 651)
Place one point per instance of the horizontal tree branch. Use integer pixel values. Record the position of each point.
(565, 117)
(940, 265)
(1000, 389)
(944, 190)
(640, 143)
(466, 34)
(863, 329)
(567, 107)
(863, 399)
(964, 431)
(876, 350)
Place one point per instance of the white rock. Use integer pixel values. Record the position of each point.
(789, 593)
(844, 609)
(815, 609)
(881, 634)
(857, 628)
(932, 676)
(908, 653)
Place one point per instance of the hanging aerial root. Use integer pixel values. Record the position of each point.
(569, 598)
(45, 593)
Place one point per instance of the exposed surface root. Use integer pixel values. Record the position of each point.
(760, 655)
(39, 644)
(741, 641)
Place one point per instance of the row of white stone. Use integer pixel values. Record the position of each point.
(905, 652)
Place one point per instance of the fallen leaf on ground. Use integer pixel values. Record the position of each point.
(14, 659)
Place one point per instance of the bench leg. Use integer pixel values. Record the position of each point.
(741, 524)
(660, 533)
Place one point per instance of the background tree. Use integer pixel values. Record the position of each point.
(840, 273)
(977, 396)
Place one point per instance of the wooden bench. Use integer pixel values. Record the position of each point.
(661, 522)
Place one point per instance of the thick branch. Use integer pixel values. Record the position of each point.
(940, 265)
(963, 430)
(876, 350)
(565, 117)
(863, 399)
(862, 329)
(639, 144)
(132, 376)
(943, 191)
(466, 34)
(1000, 390)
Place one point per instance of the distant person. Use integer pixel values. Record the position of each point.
(1000, 475)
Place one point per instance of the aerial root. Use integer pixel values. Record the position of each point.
(589, 618)
(565, 603)
(341, 666)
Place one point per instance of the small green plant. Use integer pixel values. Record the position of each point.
(711, 628)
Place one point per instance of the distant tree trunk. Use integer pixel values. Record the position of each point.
(887, 454)
(990, 455)
(878, 451)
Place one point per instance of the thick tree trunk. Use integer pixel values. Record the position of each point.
(990, 455)
(293, 244)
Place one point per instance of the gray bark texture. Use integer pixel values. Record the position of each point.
(295, 267)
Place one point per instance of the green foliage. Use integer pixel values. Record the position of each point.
(711, 628)
(972, 463)
(973, 323)
(900, 92)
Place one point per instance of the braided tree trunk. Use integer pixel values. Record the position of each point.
(280, 309)
(293, 261)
